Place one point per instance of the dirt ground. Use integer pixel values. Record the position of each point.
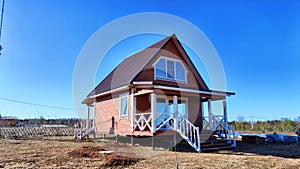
(64, 152)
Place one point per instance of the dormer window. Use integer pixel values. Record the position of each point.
(169, 69)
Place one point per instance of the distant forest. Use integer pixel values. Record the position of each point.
(37, 122)
(41, 121)
(267, 126)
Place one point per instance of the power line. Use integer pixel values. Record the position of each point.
(35, 104)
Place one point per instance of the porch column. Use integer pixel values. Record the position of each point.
(175, 110)
(225, 117)
(133, 108)
(202, 112)
(210, 115)
(153, 111)
(93, 123)
(88, 117)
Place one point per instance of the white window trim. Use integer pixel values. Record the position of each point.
(120, 105)
(174, 61)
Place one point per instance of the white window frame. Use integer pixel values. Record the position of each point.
(121, 116)
(166, 70)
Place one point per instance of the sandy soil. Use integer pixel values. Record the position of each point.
(62, 152)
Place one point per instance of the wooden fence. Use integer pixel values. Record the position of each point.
(29, 132)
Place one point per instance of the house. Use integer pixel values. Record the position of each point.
(8, 121)
(157, 91)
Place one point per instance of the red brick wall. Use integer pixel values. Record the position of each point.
(108, 109)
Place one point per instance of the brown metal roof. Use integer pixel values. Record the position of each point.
(125, 72)
(130, 67)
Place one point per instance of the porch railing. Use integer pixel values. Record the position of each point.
(183, 126)
(83, 128)
(231, 132)
(164, 120)
(189, 132)
(216, 123)
(141, 121)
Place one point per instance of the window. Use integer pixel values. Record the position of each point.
(160, 68)
(180, 73)
(124, 106)
(170, 69)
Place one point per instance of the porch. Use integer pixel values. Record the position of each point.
(175, 116)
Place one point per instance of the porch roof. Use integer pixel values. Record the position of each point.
(90, 99)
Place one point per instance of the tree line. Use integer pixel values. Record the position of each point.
(37, 122)
(267, 126)
(41, 121)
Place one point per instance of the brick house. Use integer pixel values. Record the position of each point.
(158, 91)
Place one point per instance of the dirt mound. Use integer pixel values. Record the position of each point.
(86, 151)
(110, 159)
(113, 160)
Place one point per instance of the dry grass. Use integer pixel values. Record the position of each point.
(59, 153)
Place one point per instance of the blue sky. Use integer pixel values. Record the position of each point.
(257, 41)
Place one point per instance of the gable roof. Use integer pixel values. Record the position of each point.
(131, 66)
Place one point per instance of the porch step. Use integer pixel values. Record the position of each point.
(205, 135)
(208, 146)
(210, 149)
(216, 145)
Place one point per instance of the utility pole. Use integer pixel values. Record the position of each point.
(1, 23)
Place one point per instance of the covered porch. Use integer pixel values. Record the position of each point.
(165, 112)
(169, 111)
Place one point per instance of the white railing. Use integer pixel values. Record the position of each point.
(164, 121)
(171, 121)
(141, 121)
(189, 132)
(231, 131)
(83, 128)
(217, 121)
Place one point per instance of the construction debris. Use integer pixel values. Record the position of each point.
(269, 138)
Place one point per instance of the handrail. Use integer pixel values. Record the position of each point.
(189, 132)
(81, 128)
(233, 135)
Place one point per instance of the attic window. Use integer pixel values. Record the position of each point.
(170, 69)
